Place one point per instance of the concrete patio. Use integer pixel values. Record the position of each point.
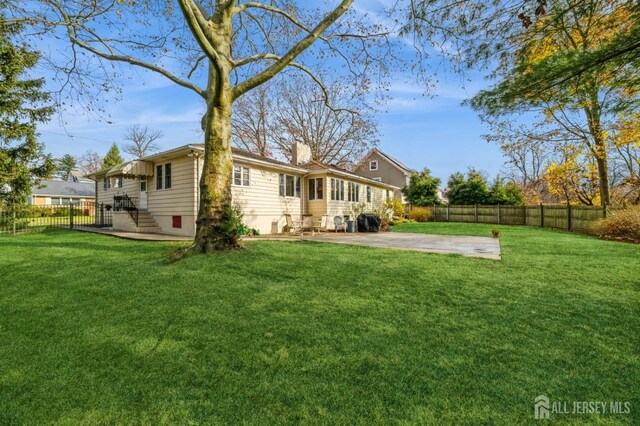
(482, 247)
(134, 235)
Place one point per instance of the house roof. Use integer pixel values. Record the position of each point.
(316, 165)
(387, 157)
(65, 189)
(241, 154)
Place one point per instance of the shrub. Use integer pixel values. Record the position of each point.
(395, 206)
(65, 211)
(420, 214)
(232, 226)
(624, 225)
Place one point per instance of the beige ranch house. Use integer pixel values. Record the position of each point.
(164, 188)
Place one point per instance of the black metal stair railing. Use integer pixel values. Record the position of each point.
(128, 204)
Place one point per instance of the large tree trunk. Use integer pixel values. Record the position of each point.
(216, 228)
(592, 111)
(217, 222)
(603, 175)
(215, 225)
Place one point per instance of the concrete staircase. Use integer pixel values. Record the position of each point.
(146, 223)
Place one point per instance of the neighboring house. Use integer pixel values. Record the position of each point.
(165, 189)
(57, 192)
(442, 196)
(383, 168)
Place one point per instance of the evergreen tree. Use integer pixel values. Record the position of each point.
(505, 194)
(66, 165)
(23, 104)
(468, 190)
(113, 157)
(422, 189)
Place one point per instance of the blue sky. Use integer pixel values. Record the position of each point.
(421, 131)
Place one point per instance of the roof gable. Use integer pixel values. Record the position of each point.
(397, 164)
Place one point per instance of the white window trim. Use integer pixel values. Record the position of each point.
(315, 187)
(377, 179)
(344, 190)
(164, 178)
(294, 197)
(353, 194)
(371, 168)
(233, 180)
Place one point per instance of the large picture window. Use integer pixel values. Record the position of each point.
(240, 176)
(316, 189)
(289, 186)
(337, 189)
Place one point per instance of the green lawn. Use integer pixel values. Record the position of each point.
(98, 330)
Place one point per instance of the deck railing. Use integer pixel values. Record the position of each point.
(127, 204)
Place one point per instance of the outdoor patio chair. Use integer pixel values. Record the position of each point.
(293, 225)
(324, 223)
(338, 224)
(308, 225)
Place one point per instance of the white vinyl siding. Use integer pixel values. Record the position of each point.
(261, 203)
(180, 197)
(129, 187)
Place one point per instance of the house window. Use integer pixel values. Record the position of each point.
(387, 195)
(119, 182)
(289, 186)
(240, 176)
(158, 177)
(105, 183)
(354, 192)
(373, 165)
(337, 189)
(167, 176)
(377, 179)
(368, 194)
(316, 189)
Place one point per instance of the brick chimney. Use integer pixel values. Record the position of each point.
(300, 153)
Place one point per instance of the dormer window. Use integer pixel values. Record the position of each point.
(373, 165)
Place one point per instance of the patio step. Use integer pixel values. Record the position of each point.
(146, 223)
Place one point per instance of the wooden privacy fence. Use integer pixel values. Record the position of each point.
(20, 219)
(571, 218)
